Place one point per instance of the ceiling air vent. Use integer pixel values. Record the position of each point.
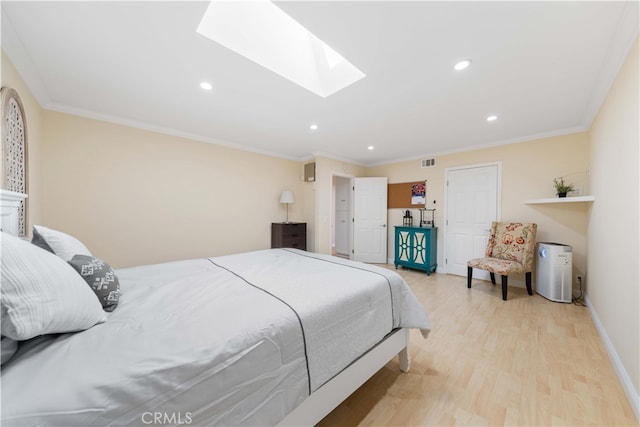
(428, 163)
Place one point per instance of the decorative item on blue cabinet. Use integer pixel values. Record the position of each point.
(415, 247)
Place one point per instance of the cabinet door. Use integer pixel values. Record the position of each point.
(419, 253)
(403, 245)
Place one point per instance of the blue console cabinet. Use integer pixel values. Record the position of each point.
(415, 247)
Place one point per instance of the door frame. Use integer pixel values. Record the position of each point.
(447, 171)
(332, 217)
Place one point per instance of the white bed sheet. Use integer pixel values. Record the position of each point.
(361, 303)
(184, 344)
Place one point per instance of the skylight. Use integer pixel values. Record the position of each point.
(263, 33)
(462, 65)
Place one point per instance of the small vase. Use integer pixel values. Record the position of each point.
(562, 194)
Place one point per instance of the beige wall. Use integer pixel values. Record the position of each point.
(33, 116)
(135, 197)
(321, 192)
(613, 231)
(528, 169)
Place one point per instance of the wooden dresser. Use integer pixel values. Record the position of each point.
(289, 235)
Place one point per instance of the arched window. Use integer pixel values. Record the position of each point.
(14, 150)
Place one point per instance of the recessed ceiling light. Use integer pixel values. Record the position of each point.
(313, 127)
(492, 118)
(371, 147)
(464, 64)
(265, 34)
(206, 86)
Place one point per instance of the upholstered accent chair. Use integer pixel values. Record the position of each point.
(510, 250)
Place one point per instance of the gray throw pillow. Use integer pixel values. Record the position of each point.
(100, 277)
(61, 244)
(40, 241)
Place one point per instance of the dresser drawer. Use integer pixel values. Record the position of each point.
(293, 231)
(289, 235)
(293, 242)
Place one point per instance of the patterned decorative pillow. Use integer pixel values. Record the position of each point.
(57, 242)
(100, 277)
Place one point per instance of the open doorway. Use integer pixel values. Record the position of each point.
(341, 225)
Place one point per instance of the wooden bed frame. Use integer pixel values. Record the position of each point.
(335, 391)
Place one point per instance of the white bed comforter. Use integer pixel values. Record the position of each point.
(234, 340)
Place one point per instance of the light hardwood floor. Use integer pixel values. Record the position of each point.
(522, 362)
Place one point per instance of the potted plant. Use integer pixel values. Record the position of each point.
(561, 187)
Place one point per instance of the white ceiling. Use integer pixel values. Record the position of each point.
(542, 67)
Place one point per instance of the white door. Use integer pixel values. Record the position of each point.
(472, 204)
(370, 220)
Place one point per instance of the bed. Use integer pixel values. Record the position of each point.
(272, 337)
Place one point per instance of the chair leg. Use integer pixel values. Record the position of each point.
(504, 288)
(527, 278)
(493, 278)
(469, 274)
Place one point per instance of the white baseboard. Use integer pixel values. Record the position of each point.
(623, 376)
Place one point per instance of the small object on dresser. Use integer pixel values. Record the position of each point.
(287, 198)
(289, 235)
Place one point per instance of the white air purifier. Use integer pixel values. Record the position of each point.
(553, 271)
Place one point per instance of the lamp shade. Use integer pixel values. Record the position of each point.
(287, 197)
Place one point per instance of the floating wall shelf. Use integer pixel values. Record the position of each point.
(575, 199)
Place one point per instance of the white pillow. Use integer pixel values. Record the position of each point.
(62, 244)
(41, 293)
